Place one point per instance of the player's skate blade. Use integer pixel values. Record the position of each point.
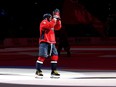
(38, 77)
(54, 76)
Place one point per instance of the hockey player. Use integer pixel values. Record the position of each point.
(47, 42)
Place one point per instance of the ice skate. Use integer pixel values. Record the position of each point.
(55, 74)
(39, 74)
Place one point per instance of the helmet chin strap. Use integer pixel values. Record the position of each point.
(48, 19)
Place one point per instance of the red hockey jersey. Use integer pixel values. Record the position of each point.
(47, 28)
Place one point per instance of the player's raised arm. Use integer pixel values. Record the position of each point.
(56, 14)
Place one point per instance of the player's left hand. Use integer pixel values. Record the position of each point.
(56, 14)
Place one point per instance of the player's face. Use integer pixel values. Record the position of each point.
(50, 18)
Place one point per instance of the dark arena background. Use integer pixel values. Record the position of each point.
(89, 29)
